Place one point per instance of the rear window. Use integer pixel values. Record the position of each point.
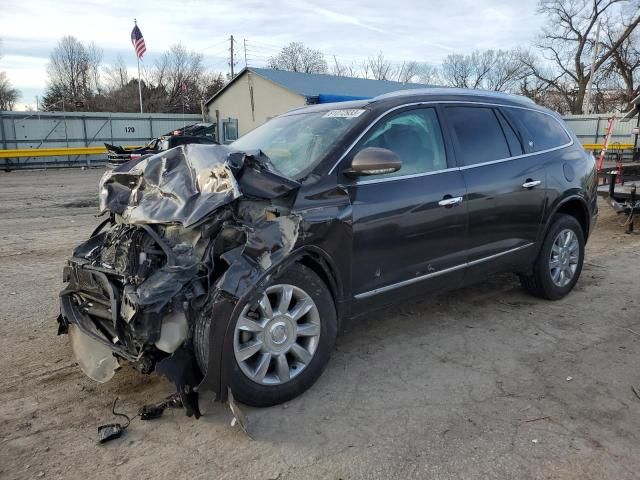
(479, 134)
(539, 130)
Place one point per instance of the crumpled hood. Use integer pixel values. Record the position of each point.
(185, 184)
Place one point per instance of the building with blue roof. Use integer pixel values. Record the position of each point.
(257, 94)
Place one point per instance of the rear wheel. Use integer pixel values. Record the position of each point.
(559, 261)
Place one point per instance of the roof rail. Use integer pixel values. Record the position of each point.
(455, 91)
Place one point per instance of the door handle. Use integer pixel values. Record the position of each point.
(450, 202)
(531, 183)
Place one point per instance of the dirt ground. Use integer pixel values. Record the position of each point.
(485, 382)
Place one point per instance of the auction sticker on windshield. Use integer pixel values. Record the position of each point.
(344, 113)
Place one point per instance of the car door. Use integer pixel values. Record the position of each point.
(408, 226)
(505, 188)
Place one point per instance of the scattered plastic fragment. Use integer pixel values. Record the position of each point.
(111, 431)
(151, 412)
(238, 417)
(569, 379)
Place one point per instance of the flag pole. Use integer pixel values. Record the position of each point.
(139, 82)
(139, 86)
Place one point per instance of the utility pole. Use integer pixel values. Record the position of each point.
(586, 106)
(244, 41)
(231, 63)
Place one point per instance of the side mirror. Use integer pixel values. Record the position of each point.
(374, 161)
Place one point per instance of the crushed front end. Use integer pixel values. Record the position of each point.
(188, 232)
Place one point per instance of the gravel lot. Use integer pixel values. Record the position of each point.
(485, 382)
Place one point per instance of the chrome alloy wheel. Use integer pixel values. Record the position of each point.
(276, 339)
(563, 260)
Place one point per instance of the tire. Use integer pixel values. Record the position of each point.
(321, 319)
(553, 282)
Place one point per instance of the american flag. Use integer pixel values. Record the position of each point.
(138, 41)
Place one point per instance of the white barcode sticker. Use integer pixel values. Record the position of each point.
(344, 113)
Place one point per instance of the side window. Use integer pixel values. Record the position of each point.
(415, 136)
(540, 131)
(515, 145)
(479, 134)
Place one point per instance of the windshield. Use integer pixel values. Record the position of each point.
(295, 143)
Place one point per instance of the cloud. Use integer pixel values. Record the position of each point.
(352, 30)
(341, 18)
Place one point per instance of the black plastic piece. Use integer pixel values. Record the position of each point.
(182, 370)
(109, 432)
(151, 412)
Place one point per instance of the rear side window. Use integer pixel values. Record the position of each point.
(540, 131)
(478, 133)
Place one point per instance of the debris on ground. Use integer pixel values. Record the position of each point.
(111, 431)
(238, 416)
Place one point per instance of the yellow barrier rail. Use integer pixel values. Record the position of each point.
(55, 152)
(51, 152)
(612, 146)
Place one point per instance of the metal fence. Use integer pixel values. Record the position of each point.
(592, 128)
(40, 130)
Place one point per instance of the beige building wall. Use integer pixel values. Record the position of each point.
(269, 100)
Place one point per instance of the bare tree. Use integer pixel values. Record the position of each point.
(73, 72)
(541, 93)
(464, 71)
(180, 74)
(378, 68)
(506, 72)
(624, 64)
(117, 74)
(428, 74)
(94, 64)
(8, 94)
(295, 57)
(344, 70)
(567, 45)
(407, 72)
(489, 69)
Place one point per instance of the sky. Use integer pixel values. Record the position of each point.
(352, 30)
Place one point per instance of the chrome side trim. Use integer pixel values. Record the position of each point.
(465, 167)
(411, 281)
(401, 177)
(496, 255)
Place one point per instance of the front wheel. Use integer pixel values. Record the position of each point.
(282, 343)
(559, 262)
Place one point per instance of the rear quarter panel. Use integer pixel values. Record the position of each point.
(572, 175)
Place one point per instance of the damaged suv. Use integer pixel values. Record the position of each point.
(231, 267)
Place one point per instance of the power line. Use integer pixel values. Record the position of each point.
(216, 44)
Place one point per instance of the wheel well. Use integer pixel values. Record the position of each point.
(324, 271)
(577, 210)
